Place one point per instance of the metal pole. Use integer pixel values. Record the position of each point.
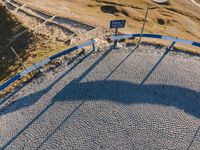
(25, 67)
(23, 64)
(143, 26)
(93, 45)
(115, 42)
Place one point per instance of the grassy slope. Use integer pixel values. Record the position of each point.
(198, 1)
(9, 26)
(30, 47)
(180, 18)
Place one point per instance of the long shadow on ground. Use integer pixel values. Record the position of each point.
(33, 98)
(131, 93)
(121, 92)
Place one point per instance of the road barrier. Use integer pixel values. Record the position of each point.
(46, 61)
(126, 36)
(92, 42)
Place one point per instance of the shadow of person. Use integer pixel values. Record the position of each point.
(126, 93)
(131, 93)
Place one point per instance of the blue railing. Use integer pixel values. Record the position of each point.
(91, 42)
(126, 36)
(46, 61)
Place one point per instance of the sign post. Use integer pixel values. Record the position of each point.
(116, 24)
(143, 26)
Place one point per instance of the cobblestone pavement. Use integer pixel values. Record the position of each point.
(143, 98)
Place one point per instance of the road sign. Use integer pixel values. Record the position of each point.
(117, 24)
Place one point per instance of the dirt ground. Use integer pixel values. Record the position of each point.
(179, 18)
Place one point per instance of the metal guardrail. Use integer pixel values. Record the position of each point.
(92, 42)
(126, 36)
(46, 61)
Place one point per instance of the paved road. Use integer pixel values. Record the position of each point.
(124, 99)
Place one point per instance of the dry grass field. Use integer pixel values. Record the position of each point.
(30, 47)
(177, 18)
(198, 1)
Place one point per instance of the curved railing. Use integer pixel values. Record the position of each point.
(177, 40)
(91, 42)
(46, 61)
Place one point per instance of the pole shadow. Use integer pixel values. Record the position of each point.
(36, 96)
(158, 63)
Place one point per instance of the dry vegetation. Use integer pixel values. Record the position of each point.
(198, 1)
(9, 27)
(30, 47)
(179, 18)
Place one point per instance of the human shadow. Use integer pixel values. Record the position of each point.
(126, 93)
(131, 93)
(36, 96)
(120, 92)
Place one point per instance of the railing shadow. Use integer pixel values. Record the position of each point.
(39, 94)
(158, 62)
(35, 97)
(122, 62)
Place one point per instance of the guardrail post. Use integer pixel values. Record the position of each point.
(171, 46)
(115, 42)
(93, 45)
(18, 57)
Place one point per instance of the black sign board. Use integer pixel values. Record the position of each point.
(117, 24)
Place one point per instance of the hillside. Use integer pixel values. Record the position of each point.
(53, 25)
(9, 28)
(178, 18)
(29, 46)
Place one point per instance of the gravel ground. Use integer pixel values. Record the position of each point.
(143, 98)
